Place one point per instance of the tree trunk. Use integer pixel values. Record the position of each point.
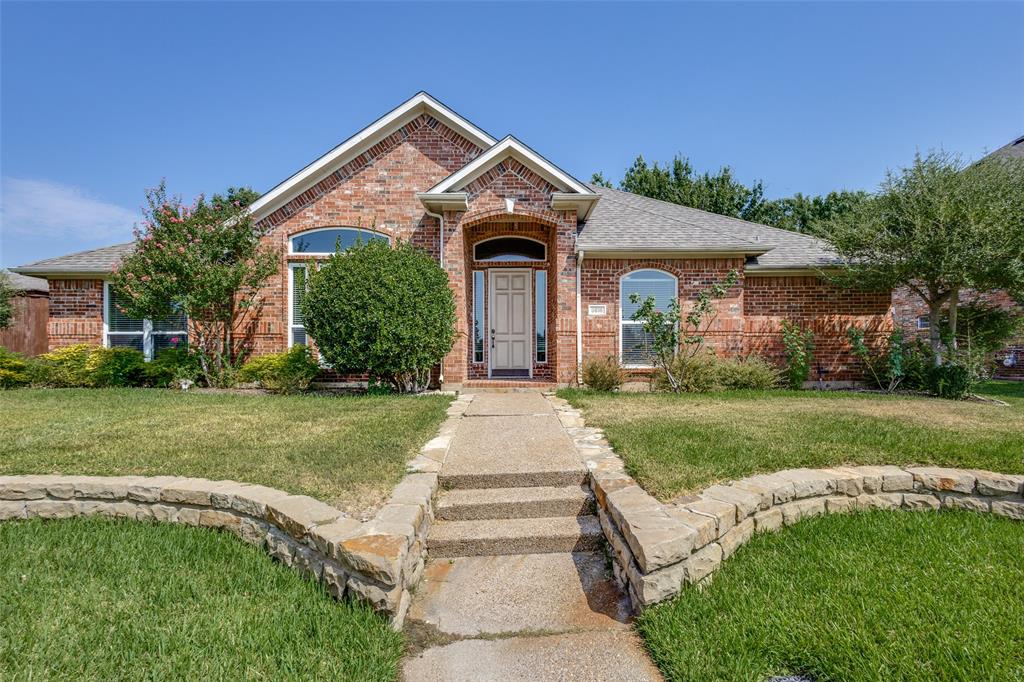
(954, 303)
(935, 328)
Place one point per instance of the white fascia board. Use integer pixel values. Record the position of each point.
(510, 146)
(761, 271)
(583, 203)
(364, 139)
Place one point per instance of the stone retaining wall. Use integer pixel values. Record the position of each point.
(658, 548)
(378, 561)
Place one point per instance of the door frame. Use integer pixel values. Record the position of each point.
(531, 342)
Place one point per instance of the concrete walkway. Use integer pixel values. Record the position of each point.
(516, 585)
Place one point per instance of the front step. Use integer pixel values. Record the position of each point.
(488, 537)
(515, 479)
(514, 503)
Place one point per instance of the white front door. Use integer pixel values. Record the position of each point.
(510, 320)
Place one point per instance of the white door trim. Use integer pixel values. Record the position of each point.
(531, 342)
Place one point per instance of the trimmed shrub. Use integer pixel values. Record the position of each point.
(110, 367)
(752, 373)
(170, 366)
(381, 310)
(14, 369)
(64, 367)
(288, 372)
(604, 374)
(707, 372)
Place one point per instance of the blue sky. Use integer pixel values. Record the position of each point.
(100, 101)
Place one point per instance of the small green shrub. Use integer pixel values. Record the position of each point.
(14, 369)
(885, 364)
(288, 372)
(798, 345)
(986, 327)
(950, 380)
(707, 372)
(115, 367)
(752, 372)
(170, 366)
(603, 374)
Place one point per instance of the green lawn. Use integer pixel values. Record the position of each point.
(673, 444)
(862, 597)
(92, 599)
(346, 450)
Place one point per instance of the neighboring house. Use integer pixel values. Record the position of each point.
(27, 331)
(911, 313)
(541, 263)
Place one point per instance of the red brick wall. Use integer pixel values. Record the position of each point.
(817, 305)
(908, 306)
(76, 312)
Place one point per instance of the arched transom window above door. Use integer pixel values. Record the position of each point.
(510, 250)
(325, 241)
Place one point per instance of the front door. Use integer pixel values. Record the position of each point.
(510, 322)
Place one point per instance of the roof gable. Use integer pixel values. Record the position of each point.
(419, 104)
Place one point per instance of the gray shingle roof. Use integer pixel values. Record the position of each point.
(94, 261)
(23, 283)
(622, 221)
(1013, 150)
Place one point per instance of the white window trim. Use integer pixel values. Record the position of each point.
(624, 322)
(511, 236)
(923, 323)
(148, 346)
(291, 300)
(324, 229)
(483, 318)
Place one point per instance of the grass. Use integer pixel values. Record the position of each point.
(674, 444)
(91, 599)
(862, 597)
(346, 450)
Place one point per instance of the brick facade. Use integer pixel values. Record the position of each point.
(1007, 363)
(76, 312)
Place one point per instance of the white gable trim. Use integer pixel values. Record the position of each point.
(510, 146)
(328, 163)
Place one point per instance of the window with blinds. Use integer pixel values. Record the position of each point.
(150, 337)
(297, 291)
(634, 342)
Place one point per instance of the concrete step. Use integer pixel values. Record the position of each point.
(514, 536)
(514, 503)
(556, 478)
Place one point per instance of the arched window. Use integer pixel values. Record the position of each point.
(326, 240)
(634, 342)
(509, 249)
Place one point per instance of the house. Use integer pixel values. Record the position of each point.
(911, 314)
(27, 332)
(541, 263)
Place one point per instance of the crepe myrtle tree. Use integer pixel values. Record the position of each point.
(207, 261)
(675, 338)
(938, 227)
(385, 311)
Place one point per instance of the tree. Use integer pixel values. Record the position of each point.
(678, 183)
(802, 213)
(938, 228)
(677, 338)
(386, 311)
(599, 180)
(6, 301)
(207, 261)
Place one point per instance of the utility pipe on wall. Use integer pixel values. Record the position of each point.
(440, 222)
(579, 319)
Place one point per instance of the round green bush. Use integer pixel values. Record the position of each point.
(385, 311)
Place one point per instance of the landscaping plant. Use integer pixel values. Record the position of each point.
(885, 366)
(798, 346)
(677, 339)
(14, 369)
(288, 372)
(940, 228)
(6, 301)
(207, 261)
(382, 310)
(707, 372)
(603, 374)
(172, 366)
